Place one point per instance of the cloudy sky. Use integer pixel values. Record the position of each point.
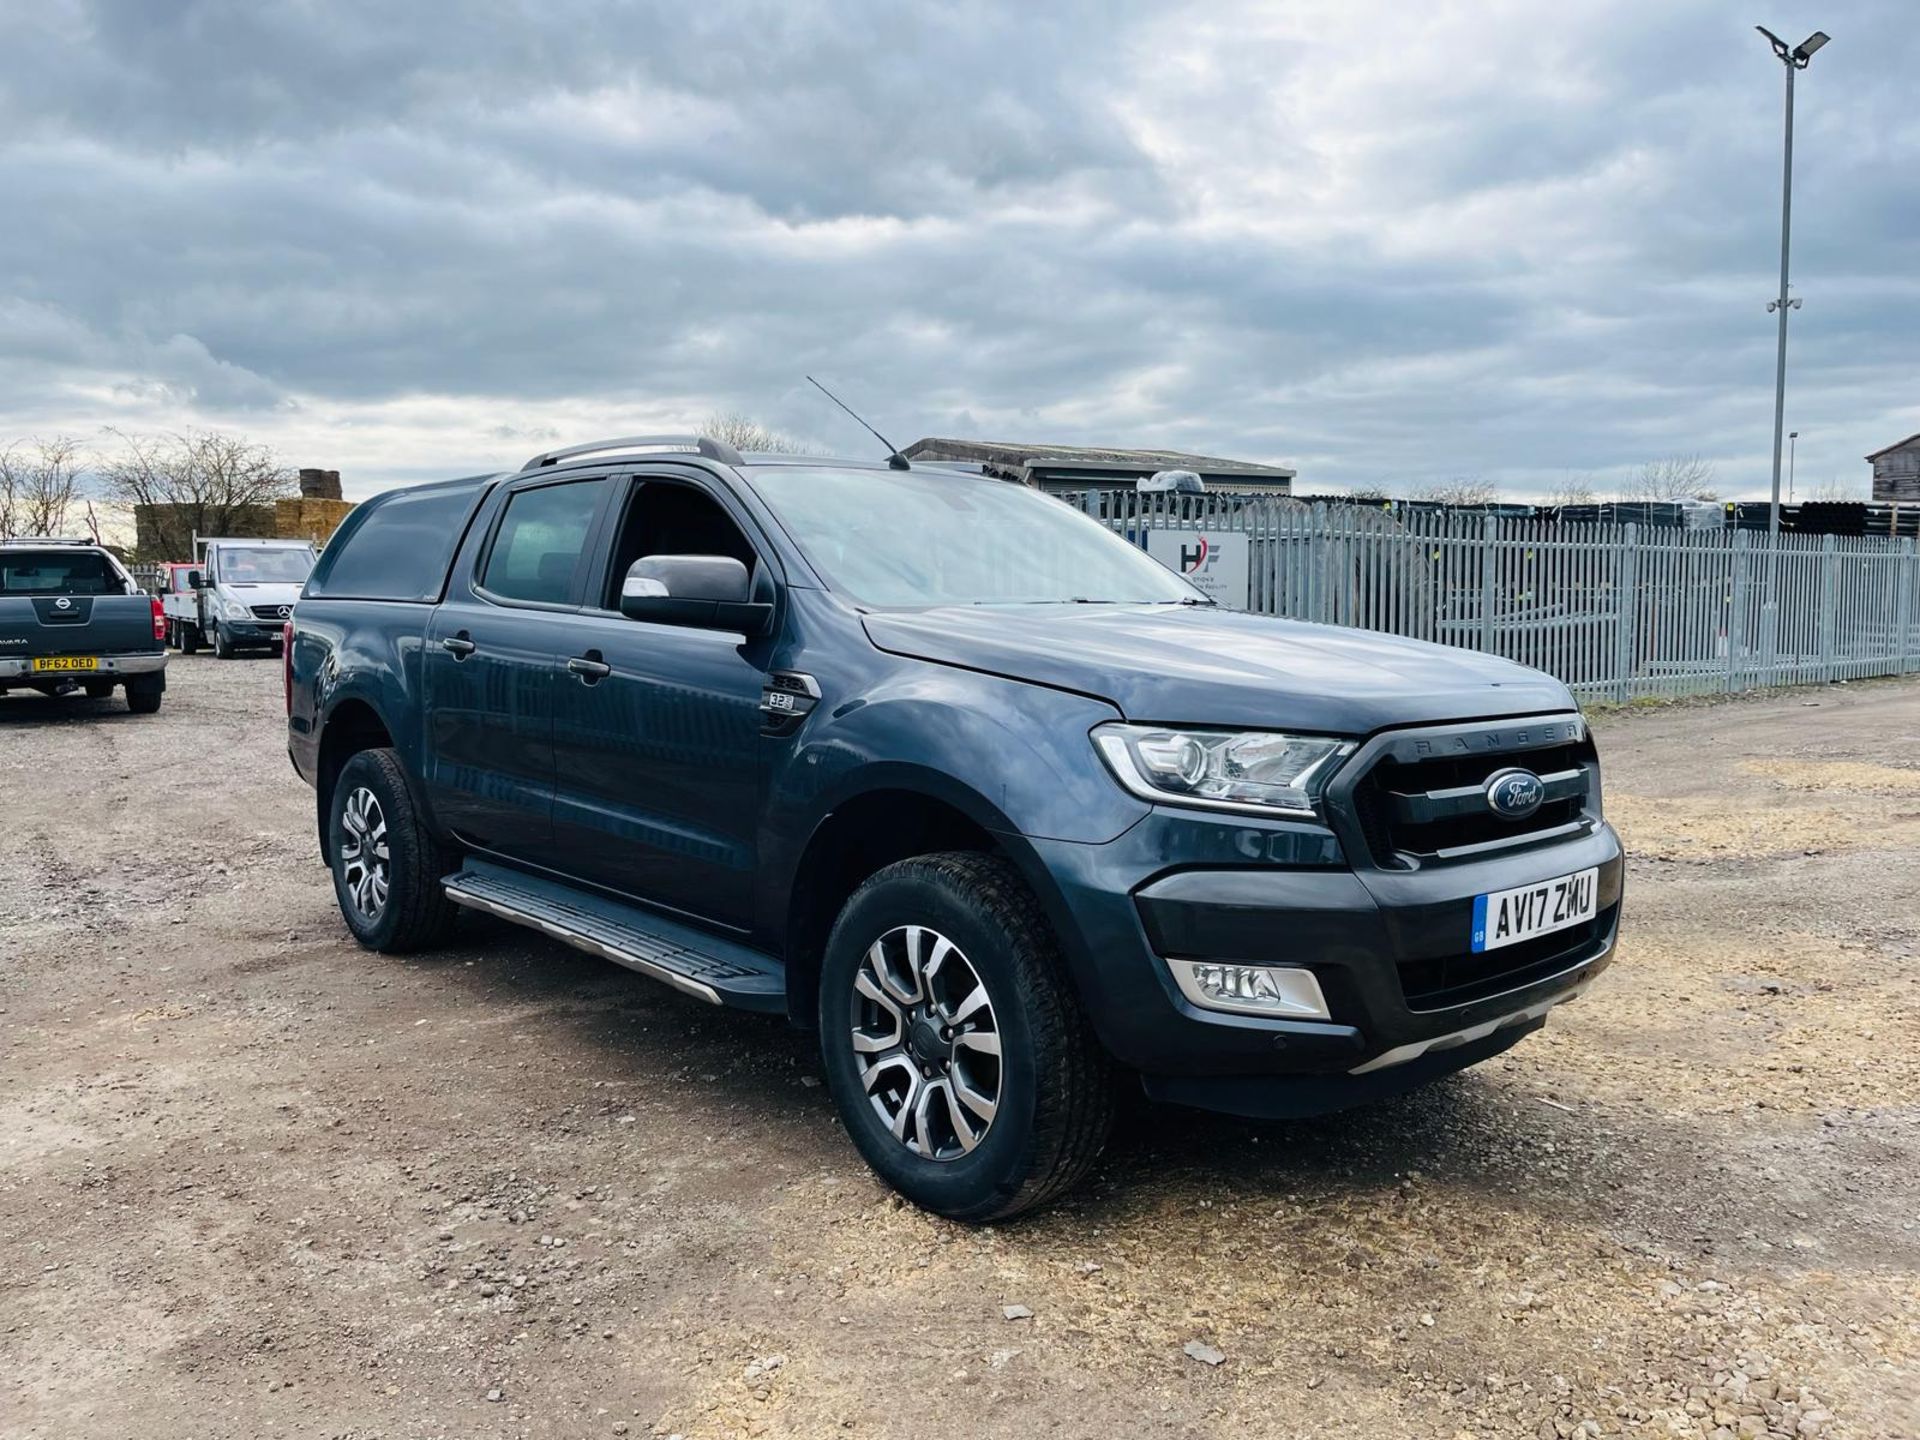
(1386, 243)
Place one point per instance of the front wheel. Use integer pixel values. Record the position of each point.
(955, 1047)
(387, 866)
(223, 646)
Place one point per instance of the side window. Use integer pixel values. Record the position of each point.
(399, 546)
(666, 518)
(540, 541)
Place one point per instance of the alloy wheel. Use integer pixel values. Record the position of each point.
(363, 852)
(927, 1042)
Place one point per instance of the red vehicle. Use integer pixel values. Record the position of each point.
(180, 603)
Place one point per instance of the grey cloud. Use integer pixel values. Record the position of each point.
(1369, 251)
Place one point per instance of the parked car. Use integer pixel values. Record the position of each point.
(947, 770)
(180, 603)
(238, 596)
(73, 622)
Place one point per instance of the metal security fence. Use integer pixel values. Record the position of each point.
(1615, 610)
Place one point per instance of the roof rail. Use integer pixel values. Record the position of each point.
(47, 540)
(683, 444)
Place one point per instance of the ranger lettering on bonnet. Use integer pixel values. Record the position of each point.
(944, 770)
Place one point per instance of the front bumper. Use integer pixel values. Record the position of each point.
(252, 632)
(1180, 887)
(116, 667)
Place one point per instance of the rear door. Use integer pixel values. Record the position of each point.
(659, 764)
(69, 601)
(494, 652)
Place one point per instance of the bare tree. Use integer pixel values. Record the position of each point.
(1677, 477)
(742, 432)
(1369, 492)
(1574, 490)
(39, 482)
(1836, 490)
(1461, 490)
(200, 481)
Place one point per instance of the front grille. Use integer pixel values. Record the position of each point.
(271, 612)
(1451, 980)
(1413, 812)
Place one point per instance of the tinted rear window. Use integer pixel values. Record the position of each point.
(57, 572)
(396, 547)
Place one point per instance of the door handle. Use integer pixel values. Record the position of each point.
(458, 646)
(589, 670)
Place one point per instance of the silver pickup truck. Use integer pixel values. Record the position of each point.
(73, 622)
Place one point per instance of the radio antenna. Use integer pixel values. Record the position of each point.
(895, 460)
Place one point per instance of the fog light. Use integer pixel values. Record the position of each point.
(1279, 990)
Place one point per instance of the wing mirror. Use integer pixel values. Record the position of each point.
(707, 592)
(195, 580)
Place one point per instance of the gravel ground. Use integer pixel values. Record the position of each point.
(254, 1180)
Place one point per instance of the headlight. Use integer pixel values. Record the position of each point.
(1258, 771)
(234, 610)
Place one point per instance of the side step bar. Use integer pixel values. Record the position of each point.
(721, 972)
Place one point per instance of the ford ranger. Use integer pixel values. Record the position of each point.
(941, 768)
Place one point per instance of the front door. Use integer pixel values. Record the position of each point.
(659, 764)
(492, 667)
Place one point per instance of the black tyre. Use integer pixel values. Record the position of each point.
(955, 1046)
(189, 638)
(387, 867)
(99, 689)
(143, 694)
(223, 646)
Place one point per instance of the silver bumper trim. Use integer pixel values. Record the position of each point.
(1401, 1054)
(17, 667)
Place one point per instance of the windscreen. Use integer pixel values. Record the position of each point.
(899, 538)
(263, 566)
(58, 572)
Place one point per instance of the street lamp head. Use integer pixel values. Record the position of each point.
(1804, 52)
(1780, 46)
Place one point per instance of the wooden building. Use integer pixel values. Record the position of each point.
(1896, 470)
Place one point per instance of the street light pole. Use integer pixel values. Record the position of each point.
(1793, 438)
(1794, 59)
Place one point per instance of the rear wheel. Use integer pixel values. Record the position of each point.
(387, 866)
(189, 638)
(143, 694)
(955, 1046)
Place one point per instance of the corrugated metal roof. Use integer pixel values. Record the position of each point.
(1014, 456)
(1897, 445)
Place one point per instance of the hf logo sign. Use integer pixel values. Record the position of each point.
(1215, 561)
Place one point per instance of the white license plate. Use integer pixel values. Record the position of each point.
(1507, 917)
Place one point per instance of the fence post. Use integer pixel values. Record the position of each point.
(1627, 612)
(1737, 613)
(1316, 561)
(1829, 597)
(1489, 567)
(1903, 604)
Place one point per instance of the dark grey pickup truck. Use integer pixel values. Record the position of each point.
(73, 622)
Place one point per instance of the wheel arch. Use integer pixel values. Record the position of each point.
(353, 724)
(863, 833)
